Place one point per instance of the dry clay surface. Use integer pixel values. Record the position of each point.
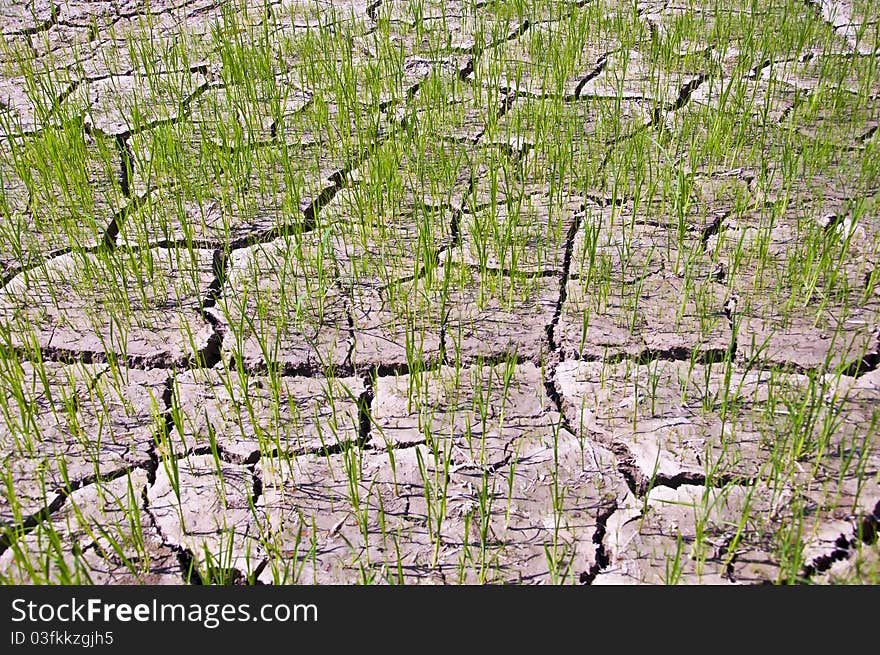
(437, 330)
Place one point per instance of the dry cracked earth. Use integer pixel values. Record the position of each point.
(439, 292)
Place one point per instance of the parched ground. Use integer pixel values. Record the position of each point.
(439, 292)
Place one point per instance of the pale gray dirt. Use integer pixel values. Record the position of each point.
(105, 538)
(304, 328)
(208, 509)
(284, 416)
(50, 309)
(117, 419)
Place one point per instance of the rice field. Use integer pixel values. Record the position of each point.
(439, 292)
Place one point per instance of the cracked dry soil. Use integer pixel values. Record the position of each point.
(457, 313)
